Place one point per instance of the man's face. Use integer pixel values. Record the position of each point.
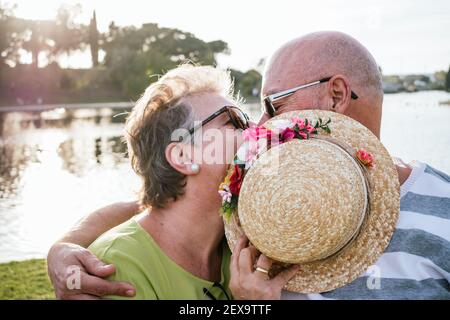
(279, 78)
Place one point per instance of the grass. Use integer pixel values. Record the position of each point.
(25, 280)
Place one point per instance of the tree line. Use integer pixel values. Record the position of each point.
(124, 58)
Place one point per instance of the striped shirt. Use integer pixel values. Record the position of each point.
(416, 264)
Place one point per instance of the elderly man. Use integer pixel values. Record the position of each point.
(329, 71)
(416, 264)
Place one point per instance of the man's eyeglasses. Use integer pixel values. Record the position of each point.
(271, 99)
(238, 118)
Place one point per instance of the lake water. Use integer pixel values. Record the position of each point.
(54, 170)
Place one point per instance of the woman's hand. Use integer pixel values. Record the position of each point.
(249, 284)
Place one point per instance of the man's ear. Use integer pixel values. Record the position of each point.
(340, 92)
(177, 154)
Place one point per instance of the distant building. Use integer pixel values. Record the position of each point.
(412, 83)
(391, 87)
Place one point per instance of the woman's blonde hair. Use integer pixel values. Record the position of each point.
(157, 114)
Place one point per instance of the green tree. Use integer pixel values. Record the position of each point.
(53, 37)
(67, 36)
(93, 40)
(11, 29)
(37, 38)
(447, 81)
(133, 54)
(248, 84)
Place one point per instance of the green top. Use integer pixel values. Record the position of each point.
(140, 261)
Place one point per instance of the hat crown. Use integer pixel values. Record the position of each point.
(303, 201)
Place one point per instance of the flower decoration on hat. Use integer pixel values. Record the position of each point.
(258, 139)
(365, 157)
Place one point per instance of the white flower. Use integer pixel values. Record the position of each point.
(226, 195)
(281, 124)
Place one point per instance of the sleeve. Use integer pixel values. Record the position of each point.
(128, 269)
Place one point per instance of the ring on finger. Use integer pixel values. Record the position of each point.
(262, 270)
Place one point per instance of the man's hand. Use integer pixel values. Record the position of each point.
(65, 258)
(250, 284)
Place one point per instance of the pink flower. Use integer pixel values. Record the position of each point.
(287, 135)
(299, 121)
(252, 151)
(262, 132)
(255, 133)
(303, 135)
(310, 128)
(250, 134)
(365, 157)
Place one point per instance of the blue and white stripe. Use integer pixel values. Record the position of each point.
(416, 264)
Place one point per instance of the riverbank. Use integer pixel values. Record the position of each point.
(67, 106)
(25, 280)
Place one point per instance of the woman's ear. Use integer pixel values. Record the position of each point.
(340, 93)
(177, 155)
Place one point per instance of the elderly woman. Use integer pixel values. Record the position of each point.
(181, 135)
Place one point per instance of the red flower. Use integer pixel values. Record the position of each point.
(287, 135)
(236, 181)
(262, 132)
(365, 157)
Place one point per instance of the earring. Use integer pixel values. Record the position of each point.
(195, 168)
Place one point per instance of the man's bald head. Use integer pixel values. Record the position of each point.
(325, 54)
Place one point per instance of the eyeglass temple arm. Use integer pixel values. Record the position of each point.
(285, 93)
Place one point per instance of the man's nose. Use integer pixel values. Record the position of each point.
(263, 119)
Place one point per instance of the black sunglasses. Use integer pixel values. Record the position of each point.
(238, 118)
(270, 99)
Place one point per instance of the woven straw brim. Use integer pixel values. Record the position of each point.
(375, 233)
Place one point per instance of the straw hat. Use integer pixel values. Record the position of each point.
(314, 203)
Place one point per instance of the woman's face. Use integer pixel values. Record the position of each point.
(218, 141)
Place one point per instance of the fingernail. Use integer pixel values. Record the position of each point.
(130, 293)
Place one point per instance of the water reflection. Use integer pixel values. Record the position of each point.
(53, 170)
(26, 140)
(13, 161)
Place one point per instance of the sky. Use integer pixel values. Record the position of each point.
(404, 36)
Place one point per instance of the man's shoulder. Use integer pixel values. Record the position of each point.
(430, 181)
(427, 192)
(426, 180)
(437, 173)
